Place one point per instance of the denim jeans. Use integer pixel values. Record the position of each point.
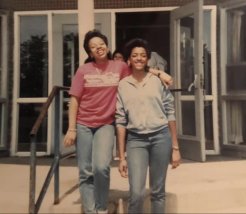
(143, 151)
(94, 147)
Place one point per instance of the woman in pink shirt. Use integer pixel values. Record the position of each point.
(91, 119)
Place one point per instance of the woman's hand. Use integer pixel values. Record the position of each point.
(165, 78)
(69, 138)
(123, 168)
(176, 158)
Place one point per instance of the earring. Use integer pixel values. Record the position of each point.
(129, 63)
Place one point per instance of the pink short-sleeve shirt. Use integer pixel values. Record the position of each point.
(96, 87)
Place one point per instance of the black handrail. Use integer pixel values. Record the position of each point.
(54, 169)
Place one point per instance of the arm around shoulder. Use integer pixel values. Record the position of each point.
(165, 78)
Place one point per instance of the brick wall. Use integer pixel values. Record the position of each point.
(28, 5)
(99, 4)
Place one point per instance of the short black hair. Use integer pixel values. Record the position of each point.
(118, 50)
(137, 42)
(88, 36)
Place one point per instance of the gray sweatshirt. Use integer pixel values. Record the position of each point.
(144, 107)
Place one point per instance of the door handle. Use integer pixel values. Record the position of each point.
(193, 84)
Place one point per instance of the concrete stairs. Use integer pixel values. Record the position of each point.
(211, 187)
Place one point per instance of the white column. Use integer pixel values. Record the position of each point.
(86, 23)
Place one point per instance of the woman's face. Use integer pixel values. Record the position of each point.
(98, 49)
(138, 58)
(118, 56)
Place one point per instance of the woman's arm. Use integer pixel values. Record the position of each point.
(70, 136)
(121, 141)
(121, 122)
(176, 157)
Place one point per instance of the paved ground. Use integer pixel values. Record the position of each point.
(217, 186)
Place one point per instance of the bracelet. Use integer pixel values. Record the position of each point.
(72, 130)
(159, 74)
(175, 148)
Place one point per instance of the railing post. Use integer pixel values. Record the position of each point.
(54, 170)
(32, 187)
(57, 146)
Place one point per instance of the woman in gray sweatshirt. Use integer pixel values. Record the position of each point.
(145, 111)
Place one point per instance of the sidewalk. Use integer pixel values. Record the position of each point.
(216, 186)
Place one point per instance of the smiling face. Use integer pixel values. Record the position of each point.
(138, 59)
(98, 49)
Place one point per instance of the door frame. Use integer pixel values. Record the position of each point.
(51, 81)
(192, 147)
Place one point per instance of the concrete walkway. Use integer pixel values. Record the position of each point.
(216, 186)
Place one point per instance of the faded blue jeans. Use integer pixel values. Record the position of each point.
(94, 147)
(143, 151)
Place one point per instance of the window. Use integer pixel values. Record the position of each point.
(234, 75)
(33, 56)
(236, 55)
(3, 78)
(33, 78)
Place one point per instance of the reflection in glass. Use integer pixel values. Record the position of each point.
(1, 134)
(1, 55)
(188, 118)
(236, 34)
(33, 56)
(207, 52)
(236, 124)
(70, 52)
(65, 116)
(28, 113)
(208, 118)
(236, 77)
(186, 52)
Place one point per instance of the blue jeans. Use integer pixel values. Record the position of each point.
(94, 147)
(143, 151)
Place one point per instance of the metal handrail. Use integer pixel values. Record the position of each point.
(45, 107)
(54, 168)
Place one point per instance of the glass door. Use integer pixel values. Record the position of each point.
(187, 69)
(65, 51)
